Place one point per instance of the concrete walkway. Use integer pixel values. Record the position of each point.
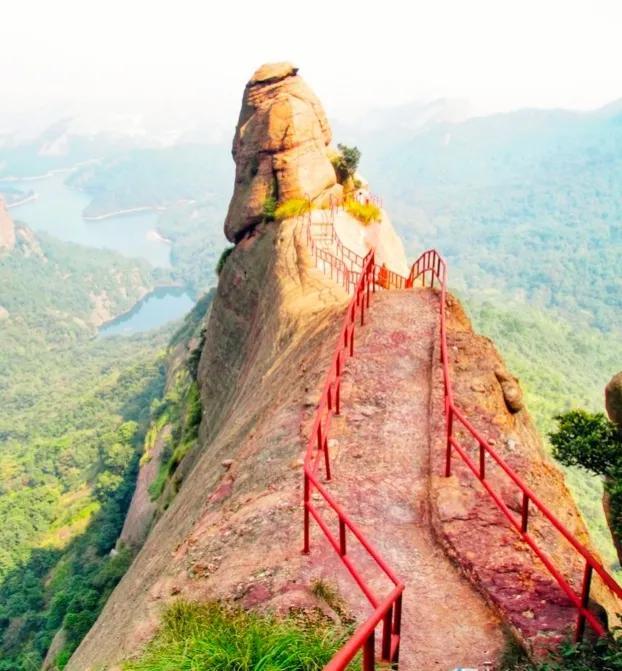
(381, 477)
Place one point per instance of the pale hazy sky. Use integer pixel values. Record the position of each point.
(179, 54)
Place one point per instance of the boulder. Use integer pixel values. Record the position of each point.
(613, 399)
(512, 393)
(280, 146)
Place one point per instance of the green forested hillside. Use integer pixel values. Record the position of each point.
(74, 412)
(154, 177)
(527, 203)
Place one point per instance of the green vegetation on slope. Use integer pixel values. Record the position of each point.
(177, 412)
(604, 654)
(74, 413)
(218, 638)
(154, 177)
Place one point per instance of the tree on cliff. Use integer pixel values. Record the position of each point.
(593, 442)
(346, 162)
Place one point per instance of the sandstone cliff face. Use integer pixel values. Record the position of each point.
(7, 228)
(280, 146)
(233, 530)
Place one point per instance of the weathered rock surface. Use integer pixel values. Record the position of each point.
(7, 228)
(234, 533)
(512, 393)
(613, 399)
(280, 146)
(142, 509)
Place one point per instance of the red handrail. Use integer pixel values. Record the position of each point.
(362, 275)
(389, 609)
(431, 263)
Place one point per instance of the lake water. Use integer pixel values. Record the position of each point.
(58, 211)
(156, 309)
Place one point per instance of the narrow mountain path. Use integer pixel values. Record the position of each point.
(381, 477)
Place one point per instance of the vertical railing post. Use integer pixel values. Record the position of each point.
(369, 663)
(362, 306)
(307, 501)
(338, 396)
(338, 368)
(397, 627)
(326, 458)
(387, 628)
(342, 537)
(450, 421)
(524, 517)
(585, 600)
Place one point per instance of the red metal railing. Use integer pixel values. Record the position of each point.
(387, 610)
(363, 275)
(431, 265)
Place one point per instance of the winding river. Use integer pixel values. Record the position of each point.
(57, 210)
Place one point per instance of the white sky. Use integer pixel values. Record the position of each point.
(131, 55)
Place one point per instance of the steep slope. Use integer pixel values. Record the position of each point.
(269, 336)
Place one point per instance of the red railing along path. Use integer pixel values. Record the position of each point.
(362, 276)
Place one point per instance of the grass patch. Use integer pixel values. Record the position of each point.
(269, 208)
(602, 654)
(223, 259)
(294, 207)
(328, 593)
(218, 638)
(366, 213)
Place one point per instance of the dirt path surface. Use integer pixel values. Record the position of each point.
(381, 477)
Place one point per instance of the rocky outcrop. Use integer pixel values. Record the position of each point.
(7, 228)
(512, 393)
(280, 147)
